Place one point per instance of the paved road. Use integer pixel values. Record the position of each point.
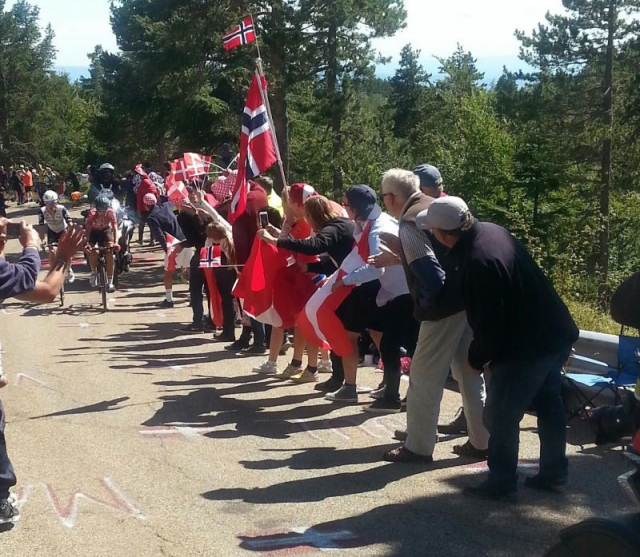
(130, 438)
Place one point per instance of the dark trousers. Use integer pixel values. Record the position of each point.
(257, 329)
(225, 279)
(514, 387)
(143, 222)
(196, 286)
(338, 367)
(399, 330)
(7, 475)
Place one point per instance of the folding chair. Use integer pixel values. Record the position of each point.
(587, 387)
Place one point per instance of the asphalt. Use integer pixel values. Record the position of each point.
(130, 438)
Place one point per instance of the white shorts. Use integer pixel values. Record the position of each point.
(177, 261)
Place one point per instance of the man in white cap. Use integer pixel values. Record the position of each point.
(522, 333)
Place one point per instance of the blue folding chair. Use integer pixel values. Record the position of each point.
(615, 379)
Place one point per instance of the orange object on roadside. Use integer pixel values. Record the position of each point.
(76, 196)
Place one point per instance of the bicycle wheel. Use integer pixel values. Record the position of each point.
(104, 285)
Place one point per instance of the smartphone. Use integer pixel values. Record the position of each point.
(264, 219)
(13, 229)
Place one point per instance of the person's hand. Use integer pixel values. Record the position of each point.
(266, 237)
(391, 242)
(29, 238)
(202, 213)
(339, 283)
(71, 240)
(199, 195)
(178, 248)
(3, 382)
(383, 259)
(304, 267)
(275, 232)
(3, 234)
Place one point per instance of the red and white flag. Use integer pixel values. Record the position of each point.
(179, 170)
(240, 35)
(318, 322)
(196, 164)
(257, 150)
(172, 244)
(176, 190)
(210, 258)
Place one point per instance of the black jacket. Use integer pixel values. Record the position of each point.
(512, 307)
(162, 221)
(194, 230)
(335, 240)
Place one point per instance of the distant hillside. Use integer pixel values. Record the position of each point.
(74, 72)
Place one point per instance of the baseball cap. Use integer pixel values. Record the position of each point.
(445, 213)
(362, 200)
(430, 176)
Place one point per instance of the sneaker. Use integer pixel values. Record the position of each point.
(346, 393)
(285, 347)
(93, 280)
(111, 288)
(305, 377)
(222, 337)
(488, 492)
(382, 406)
(325, 366)
(255, 350)
(267, 368)
(456, 426)
(236, 346)
(288, 372)
(547, 484)
(329, 385)
(378, 393)
(166, 304)
(192, 328)
(71, 276)
(8, 512)
(467, 449)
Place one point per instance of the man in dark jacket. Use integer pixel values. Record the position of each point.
(162, 221)
(444, 333)
(522, 332)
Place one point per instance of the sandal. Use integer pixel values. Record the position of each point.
(402, 454)
(470, 451)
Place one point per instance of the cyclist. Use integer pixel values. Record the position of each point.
(56, 218)
(105, 183)
(102, 229)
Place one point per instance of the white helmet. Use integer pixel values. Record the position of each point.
(50, 197)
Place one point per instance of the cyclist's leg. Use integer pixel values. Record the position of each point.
(109, 242)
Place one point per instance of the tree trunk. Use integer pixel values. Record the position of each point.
(606, 170)
(335, 108)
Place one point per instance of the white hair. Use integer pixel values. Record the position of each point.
(402, 183)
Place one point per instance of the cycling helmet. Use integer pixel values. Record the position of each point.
(50, 197)
(107, 166)
(102, 203)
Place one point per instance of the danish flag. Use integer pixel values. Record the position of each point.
(240, 35)
(172, 244)
(176, 190)
(318, 322)
(257, 150)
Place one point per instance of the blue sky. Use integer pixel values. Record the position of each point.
(484, 27)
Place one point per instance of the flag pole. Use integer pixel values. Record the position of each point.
(265, 96)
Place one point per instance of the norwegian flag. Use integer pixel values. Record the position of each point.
(210, 258)
(172, 244)
(240, 35)
(176, 190)
(257, 150)
(318, 322)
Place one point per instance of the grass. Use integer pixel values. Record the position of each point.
(589, 318)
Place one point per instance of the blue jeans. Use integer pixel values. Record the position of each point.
(514, 387)
(7, 475)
